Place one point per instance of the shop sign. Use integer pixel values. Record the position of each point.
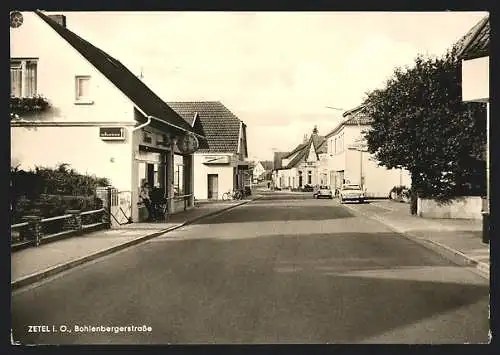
(112, 133)
(188, 143)
(221, 159)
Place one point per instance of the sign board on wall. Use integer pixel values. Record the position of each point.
(112, 133)
(150, 157)
(220, 159)
(476, 79)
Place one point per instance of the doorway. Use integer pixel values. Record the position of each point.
(213, 186)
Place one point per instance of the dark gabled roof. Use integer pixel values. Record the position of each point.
(476, 42)
(267, 164)
(354, 117)
(121, 77)
(297, 148)
(319, 145)
(277, 159)
(317, 141)
(299, 157)
(354, 110)
(220, 126)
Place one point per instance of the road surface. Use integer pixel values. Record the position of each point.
(283, 269)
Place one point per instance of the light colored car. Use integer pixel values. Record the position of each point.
(351, 192)
(323, 191)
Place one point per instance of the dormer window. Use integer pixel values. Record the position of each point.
(23, 76)
(82, 90)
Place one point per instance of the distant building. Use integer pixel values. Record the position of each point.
(262, 170)
(303, 165)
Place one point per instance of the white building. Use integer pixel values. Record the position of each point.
(305, 165)
(474, 52)
(257, 171)
(101, 119)
(262, 170)
(349, 162)
(220, 164)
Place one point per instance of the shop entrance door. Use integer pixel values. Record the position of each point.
(213, 186)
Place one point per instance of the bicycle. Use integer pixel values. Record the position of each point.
(232, 195)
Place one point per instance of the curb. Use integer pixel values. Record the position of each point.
(31, 279)
(453, 255)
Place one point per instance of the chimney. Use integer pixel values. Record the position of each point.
(60, 19)
(315, 130)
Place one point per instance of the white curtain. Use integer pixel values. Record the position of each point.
(30, 79)
(16, 76)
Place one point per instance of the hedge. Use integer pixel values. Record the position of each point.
(53, 205)
(49, 192)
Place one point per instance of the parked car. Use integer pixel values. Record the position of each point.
(323, 191)
(351, 192)
(308, 188)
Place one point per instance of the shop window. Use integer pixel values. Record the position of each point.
(82, 89)
(23, 77)
(178, 175)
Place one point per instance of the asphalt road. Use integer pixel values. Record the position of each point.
(283, 269)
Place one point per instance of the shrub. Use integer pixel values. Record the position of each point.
(53, 205)
(35, 185)
(398, 189)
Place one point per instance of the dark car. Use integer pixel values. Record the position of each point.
(308, 188)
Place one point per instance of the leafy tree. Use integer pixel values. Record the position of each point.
(421, 124)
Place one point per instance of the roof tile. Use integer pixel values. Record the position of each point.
(475, 43)
(220, 126)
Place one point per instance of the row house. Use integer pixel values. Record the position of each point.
(220, 164)
(93, 113)
(305, 165)
(340, 157)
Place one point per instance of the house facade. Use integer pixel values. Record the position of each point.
(475, 55)
(304, 165)
(258, 171)
(262, 170)
(100, 118)
(220, 164)
(349, 162)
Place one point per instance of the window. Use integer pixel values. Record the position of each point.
(178, 174)
(23, 75)
(82, 89)
(309, 177)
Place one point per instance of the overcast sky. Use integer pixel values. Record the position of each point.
(275, 70)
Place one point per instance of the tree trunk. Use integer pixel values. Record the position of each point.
(414, 193)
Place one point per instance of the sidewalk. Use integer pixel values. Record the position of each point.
(36, 263)
(457, 239)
